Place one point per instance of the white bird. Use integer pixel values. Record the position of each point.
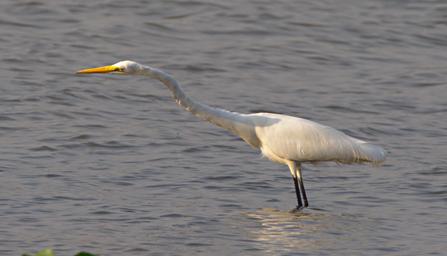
(282, 139)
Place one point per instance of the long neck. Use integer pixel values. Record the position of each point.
(228, 120)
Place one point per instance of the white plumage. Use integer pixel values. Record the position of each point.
(283, 139)
(301, 140)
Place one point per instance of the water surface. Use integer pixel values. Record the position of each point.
(111, 165)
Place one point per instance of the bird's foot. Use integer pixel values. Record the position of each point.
(299, 208)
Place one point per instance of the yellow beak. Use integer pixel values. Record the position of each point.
(105, 69)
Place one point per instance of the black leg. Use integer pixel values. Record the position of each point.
(300, 178)
(295, 170)
(298, 194)
(306, 203)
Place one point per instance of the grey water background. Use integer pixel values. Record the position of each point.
(109, 164)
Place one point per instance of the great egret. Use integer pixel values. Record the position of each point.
(282, 139)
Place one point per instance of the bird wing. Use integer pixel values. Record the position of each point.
(292, 138)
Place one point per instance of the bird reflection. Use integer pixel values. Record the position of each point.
(288, 230)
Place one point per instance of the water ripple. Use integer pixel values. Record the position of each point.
(111, 164)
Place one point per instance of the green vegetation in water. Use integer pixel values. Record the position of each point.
(50, 252)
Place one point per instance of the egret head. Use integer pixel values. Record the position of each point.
(125, 67)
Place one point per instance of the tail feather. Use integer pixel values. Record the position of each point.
(372, 153)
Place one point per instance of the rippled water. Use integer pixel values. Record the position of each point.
(111, 165)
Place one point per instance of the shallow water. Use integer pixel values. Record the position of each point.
(111, 165)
